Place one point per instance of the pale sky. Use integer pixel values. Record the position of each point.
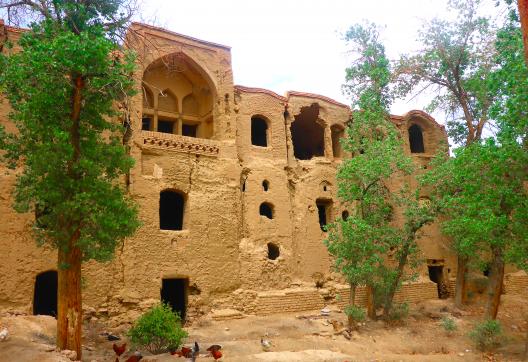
(297, 45)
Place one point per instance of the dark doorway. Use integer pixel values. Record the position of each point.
(436, 275)
(324, 209)
(266, 209)
(307, 134)
(416, 139)
(174, 293)
(145, 123)
(171, 208)
(259, 132)
(45, 296)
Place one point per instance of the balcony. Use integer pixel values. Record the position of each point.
(177, 143)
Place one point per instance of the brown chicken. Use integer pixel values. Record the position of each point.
(119, 350)
(214, 347)
(216, 354)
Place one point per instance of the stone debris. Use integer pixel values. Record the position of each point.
(72, 355)
(325, 311)
(4, 334)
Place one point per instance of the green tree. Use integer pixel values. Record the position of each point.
(63, 85)
(455, 65)
(361, 244)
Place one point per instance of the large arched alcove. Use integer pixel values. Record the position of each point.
(307, 134)
(183, 97)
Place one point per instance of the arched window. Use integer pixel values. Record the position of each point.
(265, 185)
(259, 132)
(345, 215)
(416, 139)
(266, 209)
(167, 101)
(171, 209)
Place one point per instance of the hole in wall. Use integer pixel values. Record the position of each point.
(307, 134)
(171, 208)
(266, 209)
(345, 215)
(273, 251)
(45, 294)
(265, 185)
(324, 210)
(416, 139)
(259, 132)
(174, 293)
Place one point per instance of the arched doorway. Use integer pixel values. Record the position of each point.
(45, 295)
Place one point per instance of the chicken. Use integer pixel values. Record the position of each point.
(136, 357)
(266, 345)
(184, 352)
(216, 354)
(215, 351)
(214, 347)
(119, 350)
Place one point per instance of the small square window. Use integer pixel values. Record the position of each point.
(189, 130)
(165, 126)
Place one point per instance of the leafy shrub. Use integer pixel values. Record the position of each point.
(357, 313)
(158, 330)
(487, 335)
(449, 324)
(399, 312)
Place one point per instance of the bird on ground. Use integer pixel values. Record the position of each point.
(119, 350)
(195, 351)
(136, 357)
(266, 345)
(214, 347)
(183, 352)
(215, 351)
(216, 354)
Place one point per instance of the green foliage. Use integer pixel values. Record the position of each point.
(158, 330)
(454, 63)
(71, 166)
(362, 243)
(481, 192)
(487, 335)
(357, 313)
(448, 324)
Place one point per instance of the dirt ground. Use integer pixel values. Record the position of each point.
(298, 337)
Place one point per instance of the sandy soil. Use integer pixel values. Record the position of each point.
(299, 337)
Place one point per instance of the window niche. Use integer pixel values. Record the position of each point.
(416, 141)
(265, 185)
(273, 251)
(345, 215)
(324, 210)
(259, 131)
(266, 209)
(171, 210)
(167, 101)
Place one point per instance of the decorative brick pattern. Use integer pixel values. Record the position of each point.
(516, 284)
(180, 143)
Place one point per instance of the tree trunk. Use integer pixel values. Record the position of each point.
(523, 14)
(460, 288)
(69, 310)
(352, 302)
(495, 284)
(371, 308)
(392, 288)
